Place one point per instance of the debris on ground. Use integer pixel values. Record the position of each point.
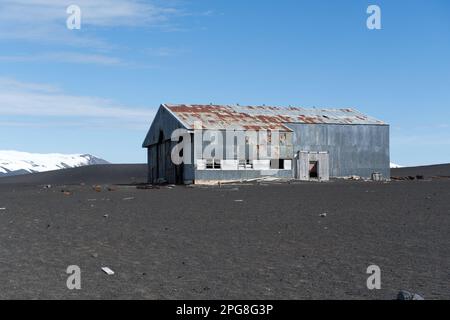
(94, 255)
(406, 295)
(408, 178)
(48, 186)
(323, 215)
(259, 180)
(66, 192)
(238, 200)
(147, 187)
(97, 188)
(2, 209)
(112, 188)
(108, 271)
(106, 216)
(128, 199)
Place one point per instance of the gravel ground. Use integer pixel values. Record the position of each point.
(235, 242)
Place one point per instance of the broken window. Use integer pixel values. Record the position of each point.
(245, 164)
(280, 164)
(277, 164)
(213, 164)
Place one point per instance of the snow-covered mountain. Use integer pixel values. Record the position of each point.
(15, 163)
(395, 166)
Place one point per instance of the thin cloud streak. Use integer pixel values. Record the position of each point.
(35, 100)
(44, 21)
(65, 57)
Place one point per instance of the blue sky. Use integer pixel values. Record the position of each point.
(95, 90)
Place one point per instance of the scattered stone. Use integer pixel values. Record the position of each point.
(147, 187)
(98, 188)
(108, 271)
(94, 255)
(406, 295)
(323, 215)
(106, 216)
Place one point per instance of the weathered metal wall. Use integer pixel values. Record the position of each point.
(354, 149)
(159, 145)
(285, 150)
(232, 175)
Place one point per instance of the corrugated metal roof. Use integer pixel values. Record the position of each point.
(221, 117)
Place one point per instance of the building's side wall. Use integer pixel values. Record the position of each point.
(353, 149)
(160, 165)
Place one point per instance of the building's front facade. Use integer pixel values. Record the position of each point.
(234, 143)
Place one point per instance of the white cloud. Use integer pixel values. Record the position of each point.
(69, 57)
(41, 100)
(45, 20)
(109, 13)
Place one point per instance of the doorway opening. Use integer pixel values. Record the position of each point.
(314, 169)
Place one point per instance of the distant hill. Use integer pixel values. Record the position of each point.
(14, 163)
(395, 166)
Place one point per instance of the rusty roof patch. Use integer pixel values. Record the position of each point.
(221, 117)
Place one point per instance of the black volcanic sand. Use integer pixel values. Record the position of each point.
(97, 174)
(200, 243)
(442, 170)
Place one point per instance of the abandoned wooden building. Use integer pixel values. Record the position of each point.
(312, 144)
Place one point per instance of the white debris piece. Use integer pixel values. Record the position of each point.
(108, 271)
(1, 209)
(128, 199)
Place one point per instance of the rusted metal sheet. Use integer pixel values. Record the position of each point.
(220, 117)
